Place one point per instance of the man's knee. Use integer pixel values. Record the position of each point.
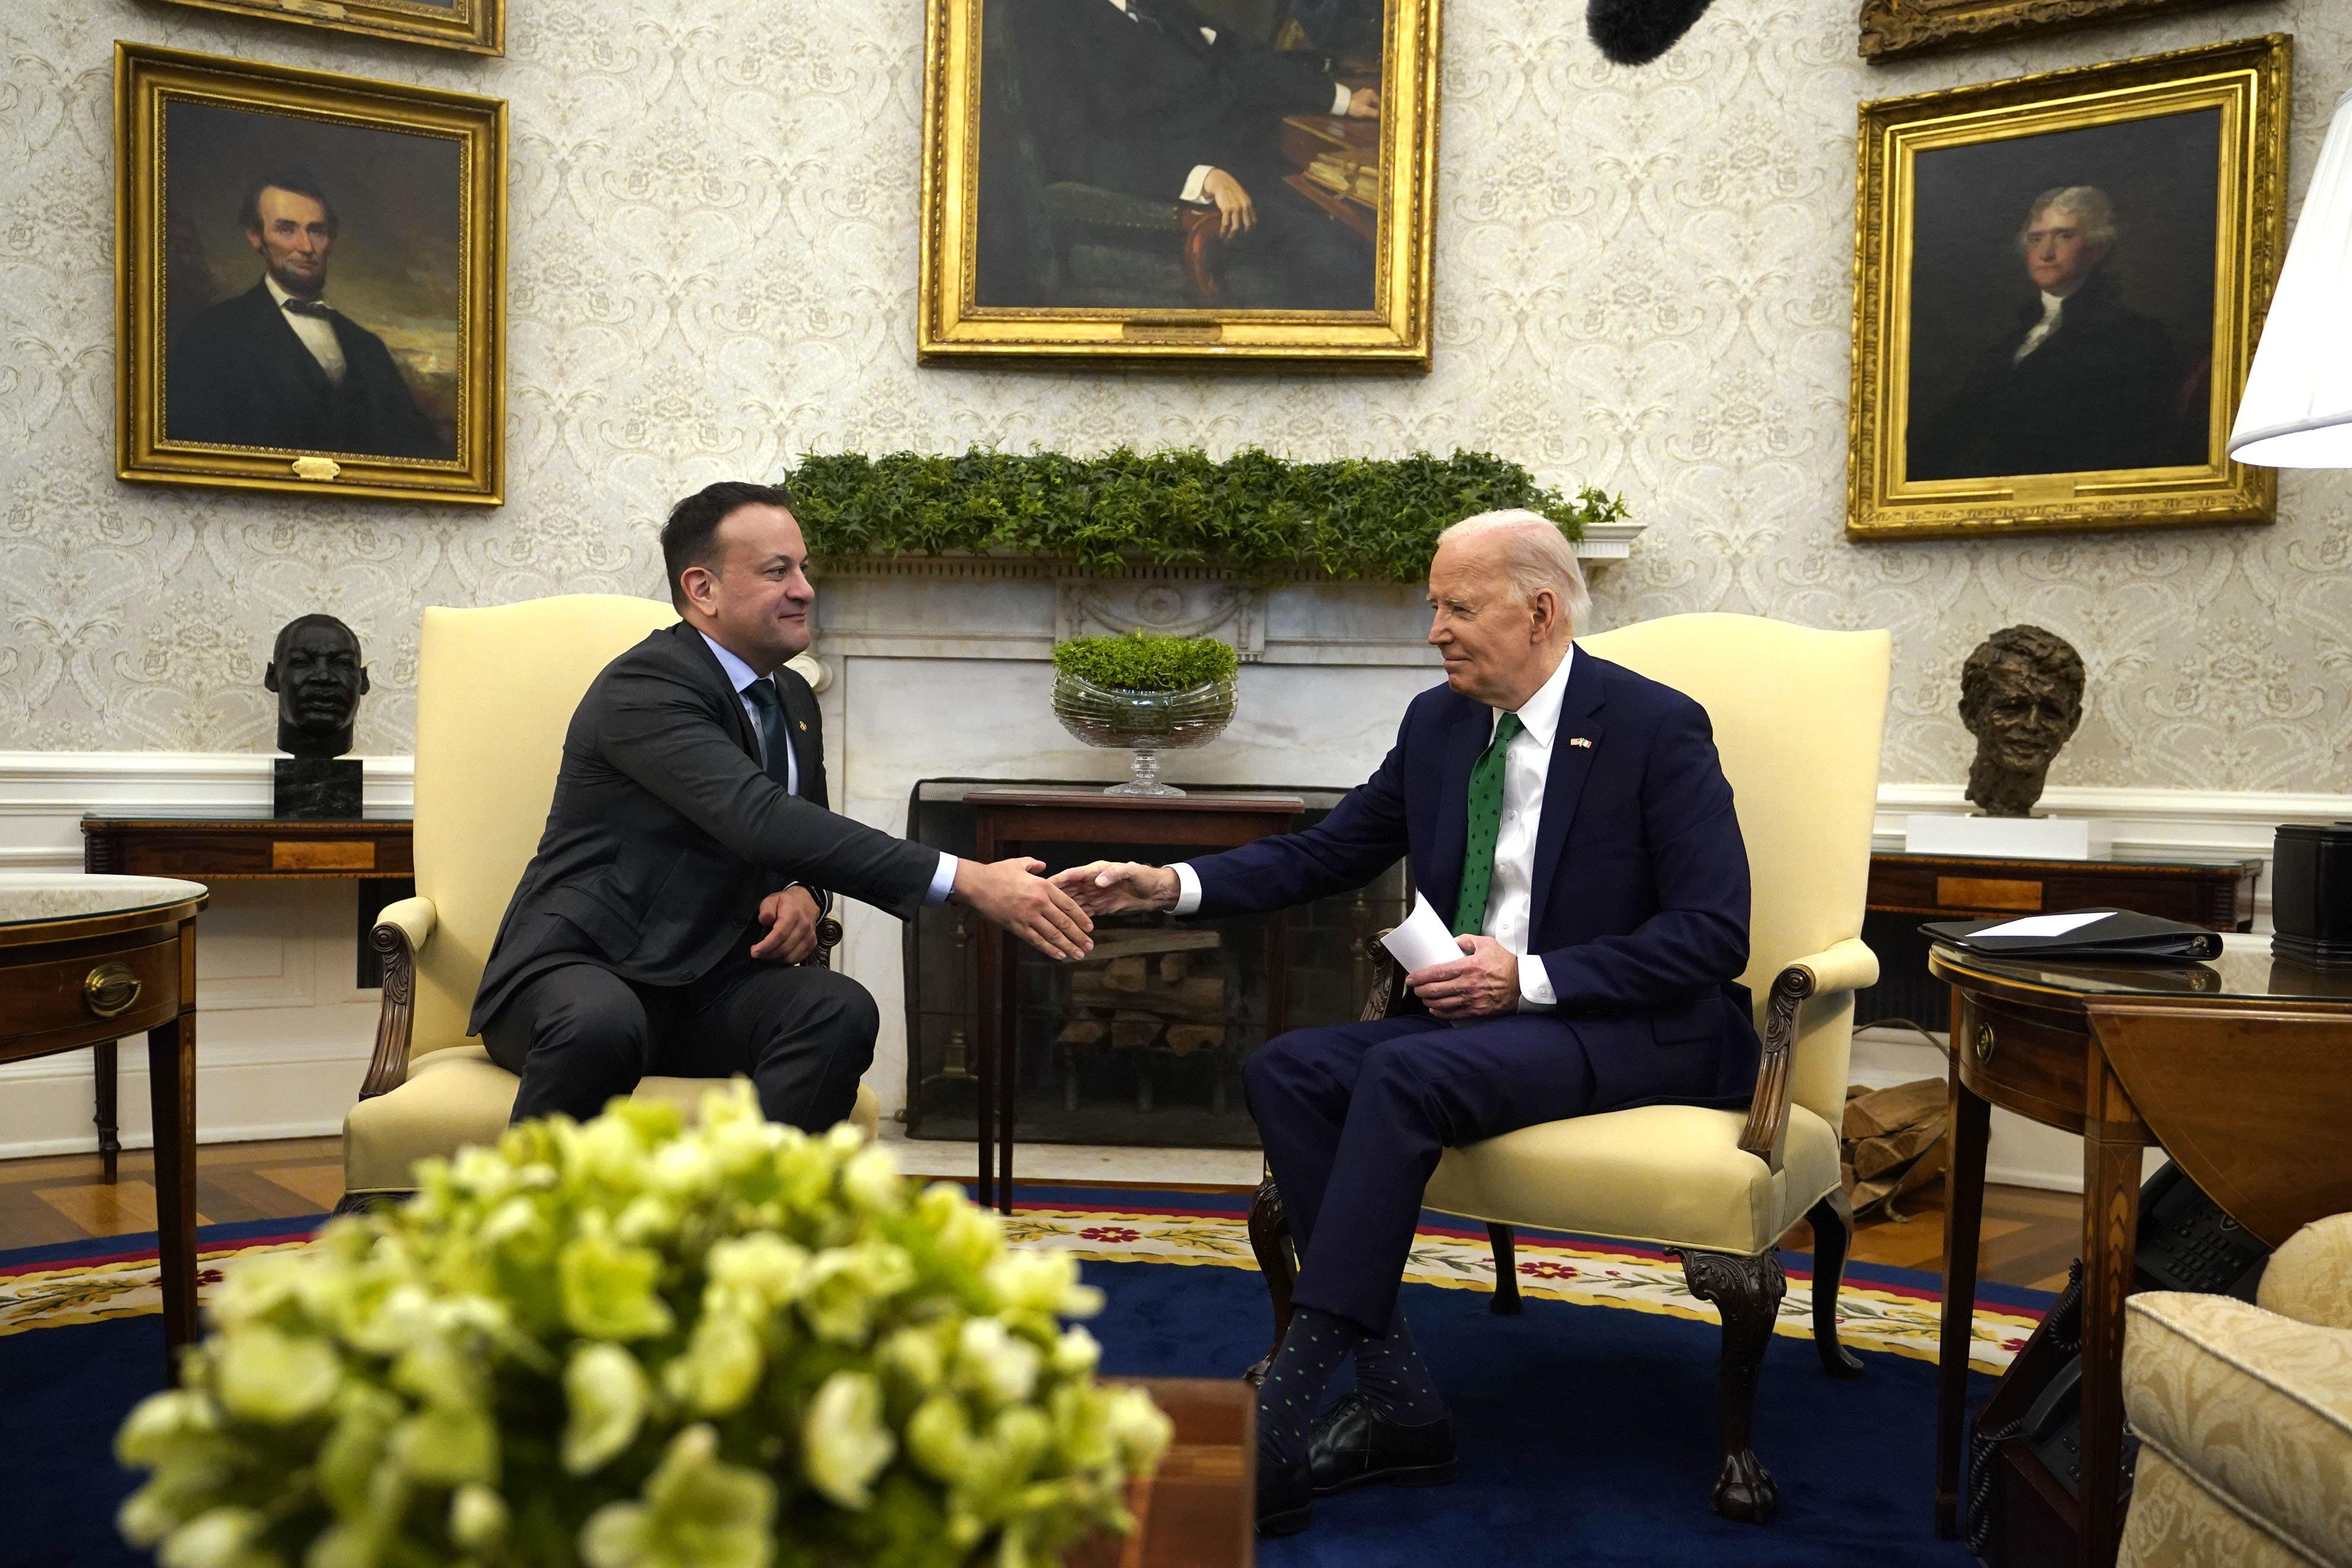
(1278, 1065)
(596, 1015)
(823, 1003)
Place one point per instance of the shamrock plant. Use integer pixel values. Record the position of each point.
(628, 1343)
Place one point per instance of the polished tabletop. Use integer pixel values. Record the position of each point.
(26, 896)
(2247, 970)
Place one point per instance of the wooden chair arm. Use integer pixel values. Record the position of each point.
(400, 930)
(1847, 966)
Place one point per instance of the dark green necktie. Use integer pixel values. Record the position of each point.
(762, 693)
(1485, 821)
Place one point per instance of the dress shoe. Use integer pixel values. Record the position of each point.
(1285, 1500)
(1359, 1445)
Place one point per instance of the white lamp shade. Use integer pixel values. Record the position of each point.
(2297, 410)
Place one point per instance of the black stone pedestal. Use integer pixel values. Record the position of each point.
(317, 789)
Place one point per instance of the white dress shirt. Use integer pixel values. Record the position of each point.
(317, 332)
(1527, 766)
(1200, 171)
(740, 675)
(2052, 306)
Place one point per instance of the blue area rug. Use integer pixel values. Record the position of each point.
(1588, 1432)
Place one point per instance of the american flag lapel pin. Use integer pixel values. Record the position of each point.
(1579, 740)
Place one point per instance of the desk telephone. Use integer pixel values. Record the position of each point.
(2186, 1243)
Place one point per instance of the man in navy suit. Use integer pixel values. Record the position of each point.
(1572, 818)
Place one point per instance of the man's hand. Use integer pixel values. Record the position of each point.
(1364, 103)
(791, 919)
(1010, 894)
(1484, 983)
(1119, 887)
(1236, 214)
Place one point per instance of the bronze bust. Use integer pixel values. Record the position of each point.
(315, 670)
(2021, 698)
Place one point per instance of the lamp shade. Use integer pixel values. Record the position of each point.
(2297, 410)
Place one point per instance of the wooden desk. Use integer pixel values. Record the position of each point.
(1007, 820)
(2242, 1068)
(86, 960)
(215, 846)
(1200, 1509)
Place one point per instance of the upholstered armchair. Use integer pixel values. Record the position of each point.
(1797, 715)
(2244, 1416)
(495, 691)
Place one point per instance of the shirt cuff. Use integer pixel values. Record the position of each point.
(942, 881)
(1194, 181)
(1339, 96)
(1535, 995)
(1188, 888)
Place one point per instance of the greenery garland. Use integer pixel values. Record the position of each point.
(1254, 514)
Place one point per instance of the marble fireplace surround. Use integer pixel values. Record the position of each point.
(940, 667)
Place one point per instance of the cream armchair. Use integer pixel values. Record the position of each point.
(1797, 715)
(495, 691)
(2244, 1416)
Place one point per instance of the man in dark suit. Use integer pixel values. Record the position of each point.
(1572, 819)
(2079, 383)
(1154, 97)
(276, 365)
(663, 925)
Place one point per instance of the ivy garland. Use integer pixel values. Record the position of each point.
(1252, 514)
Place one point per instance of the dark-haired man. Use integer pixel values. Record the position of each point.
(277, 365)
(664, 924)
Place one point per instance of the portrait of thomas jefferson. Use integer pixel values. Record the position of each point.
(280, 365)
(2076, 379)
(1152, 153)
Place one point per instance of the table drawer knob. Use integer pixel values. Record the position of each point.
(1985, 1042)
(109, 990)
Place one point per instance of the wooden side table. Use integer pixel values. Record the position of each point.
(1200, 1510)
(2242, 1068)
(216, 847)
(86, 960)
(1006, 820)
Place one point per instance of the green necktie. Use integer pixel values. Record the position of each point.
(1485, 821)
(762, 693)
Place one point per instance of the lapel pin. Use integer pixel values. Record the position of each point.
(803, 724)
(1579, 740)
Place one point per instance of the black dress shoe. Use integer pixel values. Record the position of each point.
(1285, 1502)
(1359, 1445)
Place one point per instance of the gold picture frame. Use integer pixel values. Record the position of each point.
(1898, 29)
(476, 27)
(1979, 407)
(357, 348)
(1050, 233)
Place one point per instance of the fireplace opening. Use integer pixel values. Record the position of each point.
(1141, 1042)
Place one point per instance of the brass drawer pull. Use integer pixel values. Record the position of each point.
(110, 989)
(1985, 1042)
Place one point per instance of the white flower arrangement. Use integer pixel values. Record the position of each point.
(630, 1344)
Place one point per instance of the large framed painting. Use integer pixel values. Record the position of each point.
(311, 271)
(1896, 30)
(1190, 180)
(2058, 287)
(477, 26)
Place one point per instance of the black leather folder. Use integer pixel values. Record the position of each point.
(2118, 934)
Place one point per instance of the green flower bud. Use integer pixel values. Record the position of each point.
(1076, 1354)
(697, 1511)
(166, 1427)
(870, 1179)
(478, 1518)
(720, 1368)
(264, 1375)
(849, 1285)
(1043, 1282)
(1140, 1428)
(605, 1396)
(915, 1356)
(992, 1366)
(444, 1444)
(608, 1290)
(219, 1538)
(939, 1438)
(843, 1443)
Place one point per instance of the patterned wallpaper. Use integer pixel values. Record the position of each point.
(1643, 282)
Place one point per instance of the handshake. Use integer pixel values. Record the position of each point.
(1054, 914)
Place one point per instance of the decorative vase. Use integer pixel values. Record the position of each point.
(1148, 723)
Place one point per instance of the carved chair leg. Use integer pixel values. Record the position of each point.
(1747, 1291)
(1832, 1223)
(1505, 1303)
(1269, 1234)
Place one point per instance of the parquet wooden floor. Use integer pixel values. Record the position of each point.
(2029, 1235)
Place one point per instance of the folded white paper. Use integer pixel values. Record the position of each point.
(2042, 925)
(1422, 939)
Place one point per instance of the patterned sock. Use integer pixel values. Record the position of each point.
(1288, 1399)
(1391, 1374)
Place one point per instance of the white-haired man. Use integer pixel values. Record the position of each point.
(2078, 382)
(1572, 820)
